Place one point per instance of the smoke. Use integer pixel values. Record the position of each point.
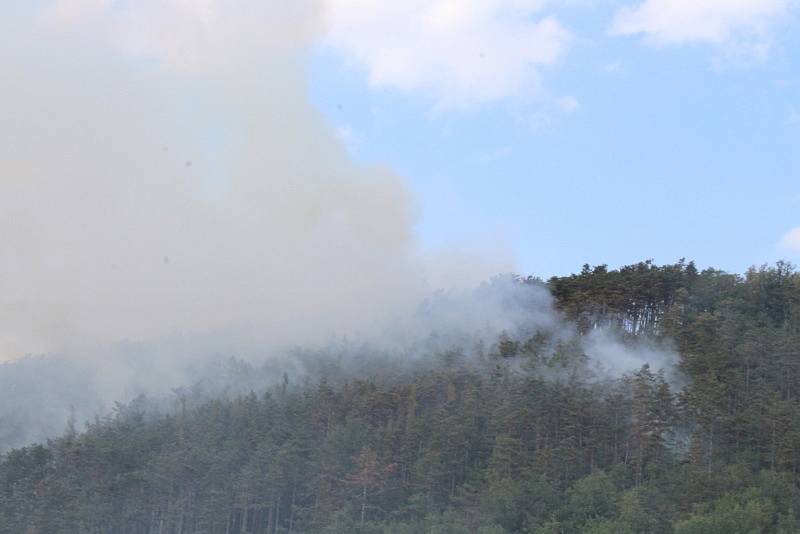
(504, 322)
(612, 357)
(170, 198)
(163, 172)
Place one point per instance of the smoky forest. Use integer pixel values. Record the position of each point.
(532, 429)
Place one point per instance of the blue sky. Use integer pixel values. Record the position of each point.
(187, 165)
(547, 133)
(676, 147)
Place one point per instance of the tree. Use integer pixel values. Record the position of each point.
(369, 476)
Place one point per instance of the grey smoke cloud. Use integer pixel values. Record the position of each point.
(163, 172)
(169, 196)
(462, 326)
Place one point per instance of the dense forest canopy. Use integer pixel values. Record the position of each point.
(519, 435)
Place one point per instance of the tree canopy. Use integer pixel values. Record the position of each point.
(496, 443)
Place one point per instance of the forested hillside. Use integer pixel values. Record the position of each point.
(519, 435)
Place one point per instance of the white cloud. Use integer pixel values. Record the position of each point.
(791, 241)
(743, 26)
(460, 53)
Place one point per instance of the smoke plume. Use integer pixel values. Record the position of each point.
(164, 172)
(169, 197)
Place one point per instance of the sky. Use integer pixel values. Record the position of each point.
(543, 133)
(204, 177)
(323, 165)
(558, 133)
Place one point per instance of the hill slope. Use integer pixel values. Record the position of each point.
(518, 435)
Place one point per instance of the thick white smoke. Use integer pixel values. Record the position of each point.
(168, 194)
(163, 172)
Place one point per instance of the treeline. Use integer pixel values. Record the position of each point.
(519, 436)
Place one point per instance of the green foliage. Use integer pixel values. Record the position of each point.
(521, 438)
(730, 515)
(767, 506)
(592, 497)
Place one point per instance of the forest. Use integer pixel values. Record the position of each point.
(517, 435)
